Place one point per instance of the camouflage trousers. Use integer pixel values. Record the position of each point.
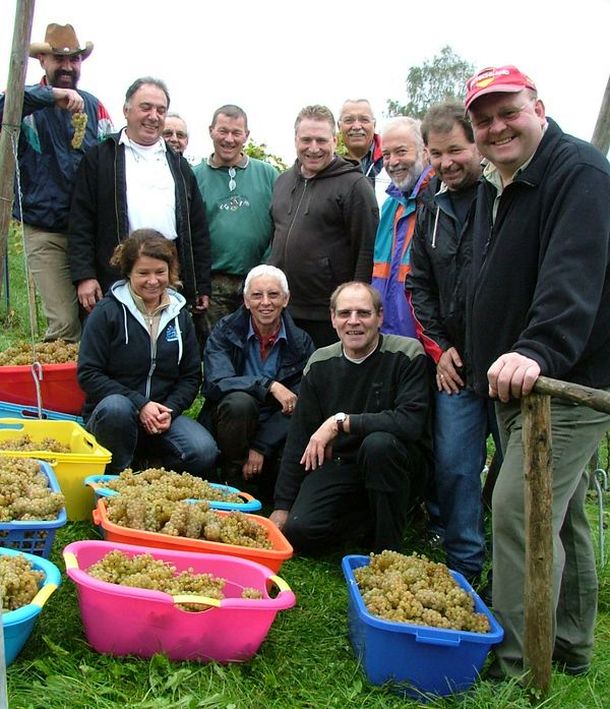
(226, 296)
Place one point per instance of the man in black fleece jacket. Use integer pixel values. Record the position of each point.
(539, 304)
(325, 217)
(358, 448)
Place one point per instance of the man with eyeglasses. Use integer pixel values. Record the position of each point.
(237, 192)
(253, 363)
(132, 180)
(176, 133)
(539, 305)
(359, 447)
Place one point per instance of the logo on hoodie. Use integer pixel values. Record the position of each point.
(170, 334)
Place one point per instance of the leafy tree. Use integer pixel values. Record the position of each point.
(259, 151)
(439, 79)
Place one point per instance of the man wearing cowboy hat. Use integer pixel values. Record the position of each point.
(51, 144)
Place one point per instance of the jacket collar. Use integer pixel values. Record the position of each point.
(420, 185)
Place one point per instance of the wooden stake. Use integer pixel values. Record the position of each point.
(11, 119)
(538, 639)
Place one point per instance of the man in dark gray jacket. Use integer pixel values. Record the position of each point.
(325, 218)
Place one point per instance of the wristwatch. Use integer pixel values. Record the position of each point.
(340, 419)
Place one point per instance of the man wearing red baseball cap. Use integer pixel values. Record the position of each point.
(539, 304)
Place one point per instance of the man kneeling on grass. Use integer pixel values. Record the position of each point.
(358, 449)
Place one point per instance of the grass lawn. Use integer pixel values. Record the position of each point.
(306, 661)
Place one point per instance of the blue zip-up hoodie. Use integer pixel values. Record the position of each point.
(118, 356)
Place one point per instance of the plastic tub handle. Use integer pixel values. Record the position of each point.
(204, 600)
(43, 595)
(70, 560)
(436, 637)
(280, 583)
(97, 518)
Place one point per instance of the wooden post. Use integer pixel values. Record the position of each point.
(538, 608)
(538, 639)
(11, 119)
(593, 398)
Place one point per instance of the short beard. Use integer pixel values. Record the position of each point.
(54, 79)
(410, 180)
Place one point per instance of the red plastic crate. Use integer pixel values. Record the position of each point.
(59, 387)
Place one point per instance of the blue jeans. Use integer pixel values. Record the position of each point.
(461, 424)
(185, 446)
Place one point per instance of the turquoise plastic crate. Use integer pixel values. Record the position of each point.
(249, 504)
(416, 660)
(18, 624)
(18, 411)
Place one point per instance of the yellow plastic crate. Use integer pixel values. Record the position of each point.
(86, 458)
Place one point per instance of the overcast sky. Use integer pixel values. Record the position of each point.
(274, 57)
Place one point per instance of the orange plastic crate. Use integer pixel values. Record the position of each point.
(271, 558)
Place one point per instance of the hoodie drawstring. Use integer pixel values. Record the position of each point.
(125, 323)
(438, 211)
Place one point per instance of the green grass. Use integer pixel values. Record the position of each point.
(306, 661)
(14, 313)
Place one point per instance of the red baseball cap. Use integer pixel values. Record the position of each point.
(495, 80)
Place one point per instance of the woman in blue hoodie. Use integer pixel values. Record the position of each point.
(139, 363)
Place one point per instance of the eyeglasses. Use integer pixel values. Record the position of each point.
(350, 120)
(345, 314)
(181, 135)
(232, 183)
(504, 115)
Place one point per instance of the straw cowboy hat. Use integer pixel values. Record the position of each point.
(60, 40)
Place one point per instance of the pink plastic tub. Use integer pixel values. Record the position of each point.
(119, 620)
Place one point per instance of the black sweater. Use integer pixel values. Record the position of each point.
(388, 392)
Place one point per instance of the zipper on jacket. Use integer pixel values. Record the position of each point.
(296, 213)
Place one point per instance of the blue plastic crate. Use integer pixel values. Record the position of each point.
(18, 411)
(249, 504)
(18, 624)
(34, 536)
(416, 660)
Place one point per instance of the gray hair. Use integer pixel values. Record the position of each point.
(413, 125)
(264, 269)
(142, 81)
(356, 100)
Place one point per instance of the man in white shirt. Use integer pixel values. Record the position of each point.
(133, 180)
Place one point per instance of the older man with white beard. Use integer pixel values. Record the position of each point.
(405, 161)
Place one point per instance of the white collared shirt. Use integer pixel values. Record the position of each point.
(151, 192)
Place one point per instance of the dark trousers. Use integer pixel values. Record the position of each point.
(236, 419)
(343, 500)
